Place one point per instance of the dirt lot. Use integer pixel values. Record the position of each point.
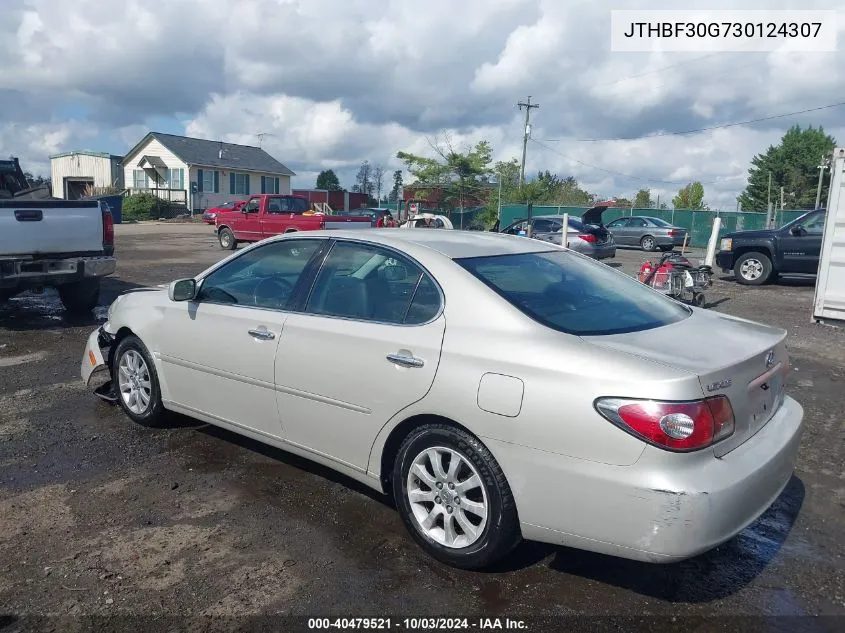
(102, 517)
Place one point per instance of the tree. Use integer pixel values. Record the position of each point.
(378, 180)
(363, 179)
(327, 179)
(643, 199)
(690, 196)
(455, 175)
(794, 165)
(393, 198)
(36, 181)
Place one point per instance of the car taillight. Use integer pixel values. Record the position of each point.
(674, 426)
(322, 223)
(108, 228)
(587, 237)
(673, 232)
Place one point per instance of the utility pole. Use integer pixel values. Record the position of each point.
(527, 105)
(822, 167)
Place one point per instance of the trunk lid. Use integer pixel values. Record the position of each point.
(743, 360)
(46, 227)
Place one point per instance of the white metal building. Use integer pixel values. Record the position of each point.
(72, 172)
(829, 301)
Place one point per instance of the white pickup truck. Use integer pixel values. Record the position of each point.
(48, 242)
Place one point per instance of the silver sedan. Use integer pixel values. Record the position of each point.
(497, 388)
(648, 233)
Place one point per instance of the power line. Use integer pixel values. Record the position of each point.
(661, 69)
(632, 177)
(703, 129)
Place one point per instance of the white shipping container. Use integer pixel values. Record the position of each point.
(829, 300)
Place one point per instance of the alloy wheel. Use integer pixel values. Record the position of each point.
(447, 497)
(133, 379)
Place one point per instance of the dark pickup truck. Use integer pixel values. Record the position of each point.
(756, 257)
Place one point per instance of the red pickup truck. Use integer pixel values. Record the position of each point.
(266, 215)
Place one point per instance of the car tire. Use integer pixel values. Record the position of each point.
(648, 243)
(80, 297)
(132, 360)
(753, 269)
(227, 239)
(492, 525)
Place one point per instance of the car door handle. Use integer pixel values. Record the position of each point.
(405, 361)
(263, 334)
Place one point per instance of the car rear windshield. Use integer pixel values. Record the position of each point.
(573, 294)
(659, 222)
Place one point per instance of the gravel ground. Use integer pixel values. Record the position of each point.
(100, 517)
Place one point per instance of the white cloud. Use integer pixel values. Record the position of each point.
(339, 81)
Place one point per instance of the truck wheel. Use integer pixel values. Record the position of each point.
(753, 269)
(80, 297)
(648, 243)
(227, 239)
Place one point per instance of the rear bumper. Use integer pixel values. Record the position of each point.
(666, 240)
(23, 273)
(664, 508)
(607, 251)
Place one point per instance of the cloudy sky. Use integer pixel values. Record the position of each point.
(334, 82)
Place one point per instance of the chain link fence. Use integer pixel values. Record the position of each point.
(698, 224)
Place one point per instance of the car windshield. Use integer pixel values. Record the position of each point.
(659, 222)
(572, 294)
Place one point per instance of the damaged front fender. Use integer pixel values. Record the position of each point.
(94, 368)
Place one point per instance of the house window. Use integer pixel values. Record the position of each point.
(269, 184)
(239, 184)
(139, 179)
(208, 181)
(174, 179)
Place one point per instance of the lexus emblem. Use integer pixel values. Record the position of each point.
(770, 358)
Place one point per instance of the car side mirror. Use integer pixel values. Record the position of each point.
(797, 230)
(182, 290)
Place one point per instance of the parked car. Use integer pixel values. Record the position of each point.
(583, 408)
(375, 215)
(210, 214)
(650, 234)
(48, 242)
(756, 257)
(265, 215)
(427, 221)
(589, 239)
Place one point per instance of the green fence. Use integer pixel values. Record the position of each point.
(699, 224)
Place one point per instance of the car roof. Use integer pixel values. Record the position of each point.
(452, 244)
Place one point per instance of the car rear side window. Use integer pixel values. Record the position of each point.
(572, 294)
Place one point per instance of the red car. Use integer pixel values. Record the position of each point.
(210, 214)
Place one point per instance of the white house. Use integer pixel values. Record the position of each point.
(72, 172)
(169, 165)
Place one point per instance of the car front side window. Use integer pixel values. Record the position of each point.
(263, 277)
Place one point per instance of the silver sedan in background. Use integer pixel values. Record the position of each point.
(650, 234)
(591, 240)
(498, 388)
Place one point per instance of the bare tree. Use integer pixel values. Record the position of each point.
(378, 181)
